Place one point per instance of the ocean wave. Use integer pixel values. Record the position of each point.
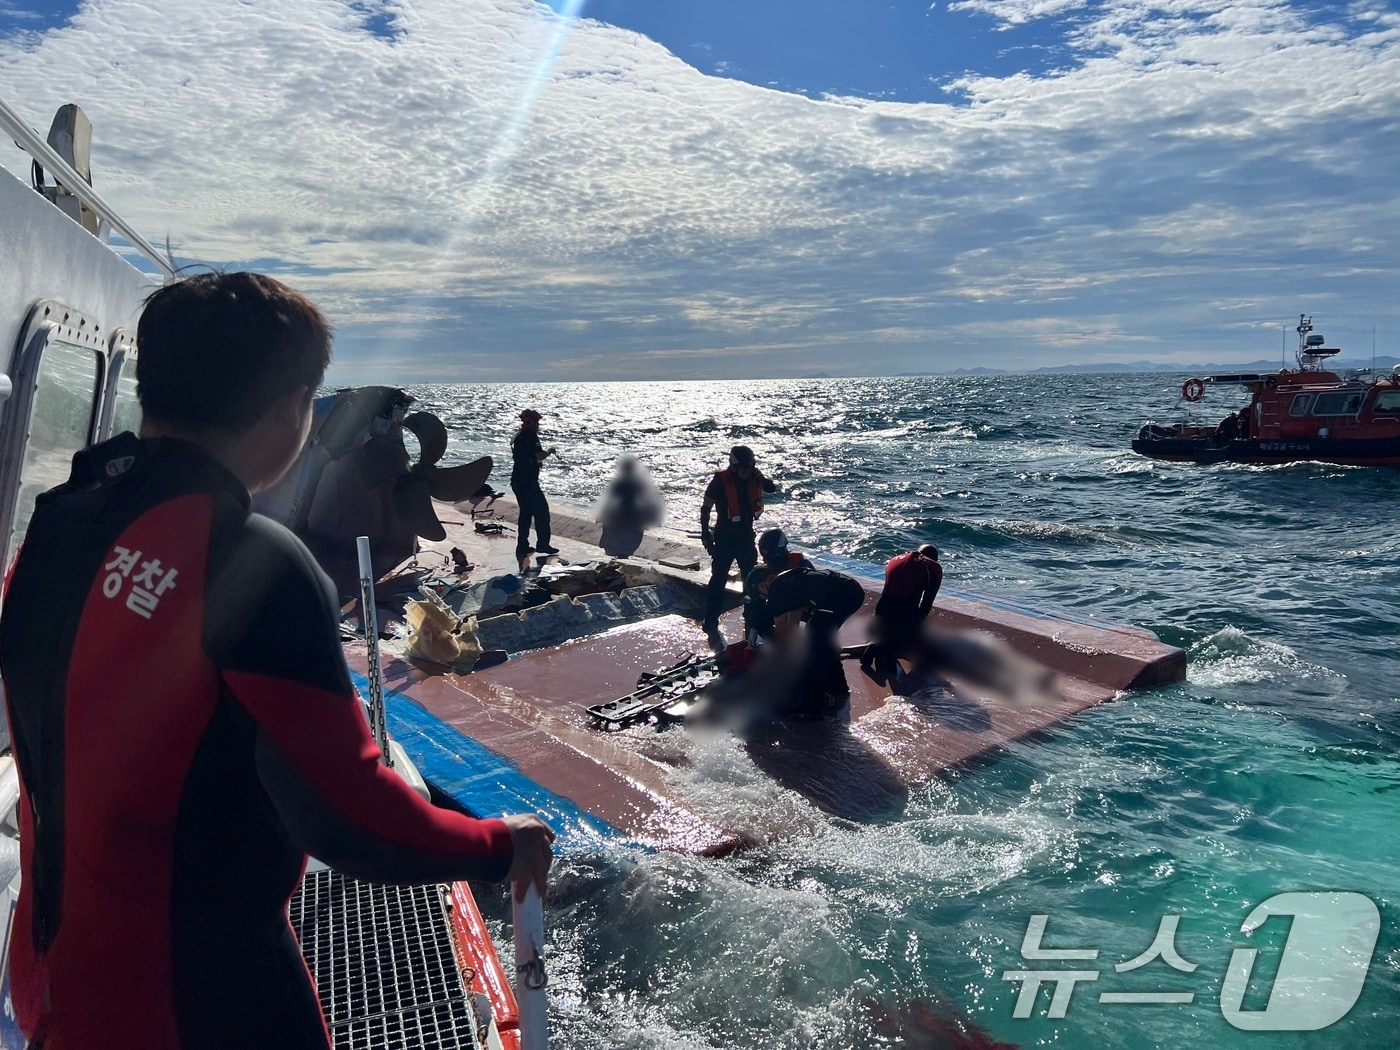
(1005, 532)
(1232, 657)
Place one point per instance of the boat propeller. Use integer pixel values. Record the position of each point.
(414, 492)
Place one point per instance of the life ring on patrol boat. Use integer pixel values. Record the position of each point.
(1193, 389)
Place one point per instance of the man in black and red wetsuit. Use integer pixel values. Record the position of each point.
(912, 580)
(736, 497)
(184, 724)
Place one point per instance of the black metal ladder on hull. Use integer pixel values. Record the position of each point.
(658, 690)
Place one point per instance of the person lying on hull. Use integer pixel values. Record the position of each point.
(185, 728)
(980, 665)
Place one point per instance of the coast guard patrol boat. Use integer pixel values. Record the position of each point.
(1312, 412)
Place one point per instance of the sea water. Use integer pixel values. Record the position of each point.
(1273, 768)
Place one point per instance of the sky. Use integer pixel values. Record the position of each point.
(507, 190)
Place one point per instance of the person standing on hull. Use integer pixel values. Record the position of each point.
(526, 456)
(736, 497)
(184, 725)
(824, 599)
(912, 580)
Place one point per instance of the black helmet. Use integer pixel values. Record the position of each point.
(772, 545)
(741, 456)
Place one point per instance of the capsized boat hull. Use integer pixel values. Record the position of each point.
(518, 737)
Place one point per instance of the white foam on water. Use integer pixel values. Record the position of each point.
(1232, 657)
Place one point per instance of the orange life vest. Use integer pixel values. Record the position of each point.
(731, 496)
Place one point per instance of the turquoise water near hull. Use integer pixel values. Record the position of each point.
(1273, 768)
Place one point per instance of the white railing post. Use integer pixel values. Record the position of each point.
(377, 724)
(530, 976)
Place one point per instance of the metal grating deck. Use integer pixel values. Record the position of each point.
(383, 963)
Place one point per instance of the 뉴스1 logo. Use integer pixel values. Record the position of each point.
(1319, 978)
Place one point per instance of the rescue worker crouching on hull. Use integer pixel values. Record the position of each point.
(185, 728)
(775, 559)
(824, 600)
(736, 496)
(912, 580)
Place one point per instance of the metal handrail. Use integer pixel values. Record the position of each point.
(28, 140)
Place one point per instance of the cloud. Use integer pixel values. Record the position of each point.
(482, 189)
(1016, 12)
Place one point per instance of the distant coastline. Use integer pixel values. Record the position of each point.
(1341, 363)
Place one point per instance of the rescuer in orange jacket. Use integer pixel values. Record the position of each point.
(736, 495)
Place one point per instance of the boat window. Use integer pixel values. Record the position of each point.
(126, 410)
(1337, 403)
(1301, 404)
(65, 400)
(1388, 401)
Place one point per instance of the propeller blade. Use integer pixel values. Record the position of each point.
(452, 484)
(414, 504)
(431, 435)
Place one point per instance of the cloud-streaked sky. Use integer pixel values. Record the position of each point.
(492, 190)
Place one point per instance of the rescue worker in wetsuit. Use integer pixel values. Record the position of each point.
(825, 599)
(736, 496)
(526, 456)
(781, 690)
(775, 559)
(185, 728)
(912, 580)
